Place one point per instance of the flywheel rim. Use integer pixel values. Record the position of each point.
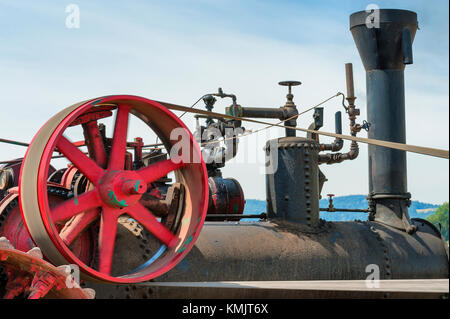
(33, 195)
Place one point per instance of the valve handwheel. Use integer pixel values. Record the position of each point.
(114, 190)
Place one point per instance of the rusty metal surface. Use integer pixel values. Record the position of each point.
(333, 251)
(280, 251)
(34, 278)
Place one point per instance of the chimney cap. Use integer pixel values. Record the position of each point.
(384, 37)
(386, 16)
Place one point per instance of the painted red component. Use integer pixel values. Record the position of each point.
(116, 191)
(34, 276)
(106, 241)
(128, 161)
(140, 213)
(68, 176)
(13, 227)
(79, 143)
(15, 167)
(42, 283)
(72, 207)
(17, 283)
(85, 164)
(155, 192)
(138, 144)
(160, 169)
(225, 196)
(14, 230)
(119, 143)
(131, 187)
(91, 116)
(94, 143)
(76, 226)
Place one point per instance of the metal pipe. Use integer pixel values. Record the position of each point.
(338, 122)
(3, 140)
(353, 112)
(263, 112)
(236, 217)
(349, 80)
(338, 142)
(337, 210)
(385, 48)
(333, 158)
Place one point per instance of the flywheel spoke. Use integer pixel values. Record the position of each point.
(86, 165)
(119, 144)
(146, 219)
(160, 169)
(75, 227)
(107, 240)
(74, 206)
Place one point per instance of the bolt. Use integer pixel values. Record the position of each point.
(134, 187)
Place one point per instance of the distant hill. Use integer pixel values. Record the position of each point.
(416, 210)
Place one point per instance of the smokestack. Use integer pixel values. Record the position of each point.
(384, 40)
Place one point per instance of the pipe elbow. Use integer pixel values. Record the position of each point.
(354, 151)
(334, 158)
(336, 146)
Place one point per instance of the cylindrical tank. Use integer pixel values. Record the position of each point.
(280, 250)
(225, 196)
(292, 180)
(333, 251)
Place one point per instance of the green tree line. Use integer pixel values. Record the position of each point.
(440, 219)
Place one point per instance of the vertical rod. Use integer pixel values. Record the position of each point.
(349, 80)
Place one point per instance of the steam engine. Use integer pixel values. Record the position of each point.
(289, 241)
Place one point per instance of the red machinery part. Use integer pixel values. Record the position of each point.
(225, 196)
(115, 191)
(9, 176)
(32, 277)
(12, 226)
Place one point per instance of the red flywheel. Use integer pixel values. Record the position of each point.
(113, 187)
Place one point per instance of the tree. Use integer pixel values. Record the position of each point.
(441, 217)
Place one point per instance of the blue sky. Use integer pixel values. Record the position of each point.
(179, 50)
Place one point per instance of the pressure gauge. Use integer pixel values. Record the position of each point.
(6, 178)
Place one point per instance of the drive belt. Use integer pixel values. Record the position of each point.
(393, 145)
